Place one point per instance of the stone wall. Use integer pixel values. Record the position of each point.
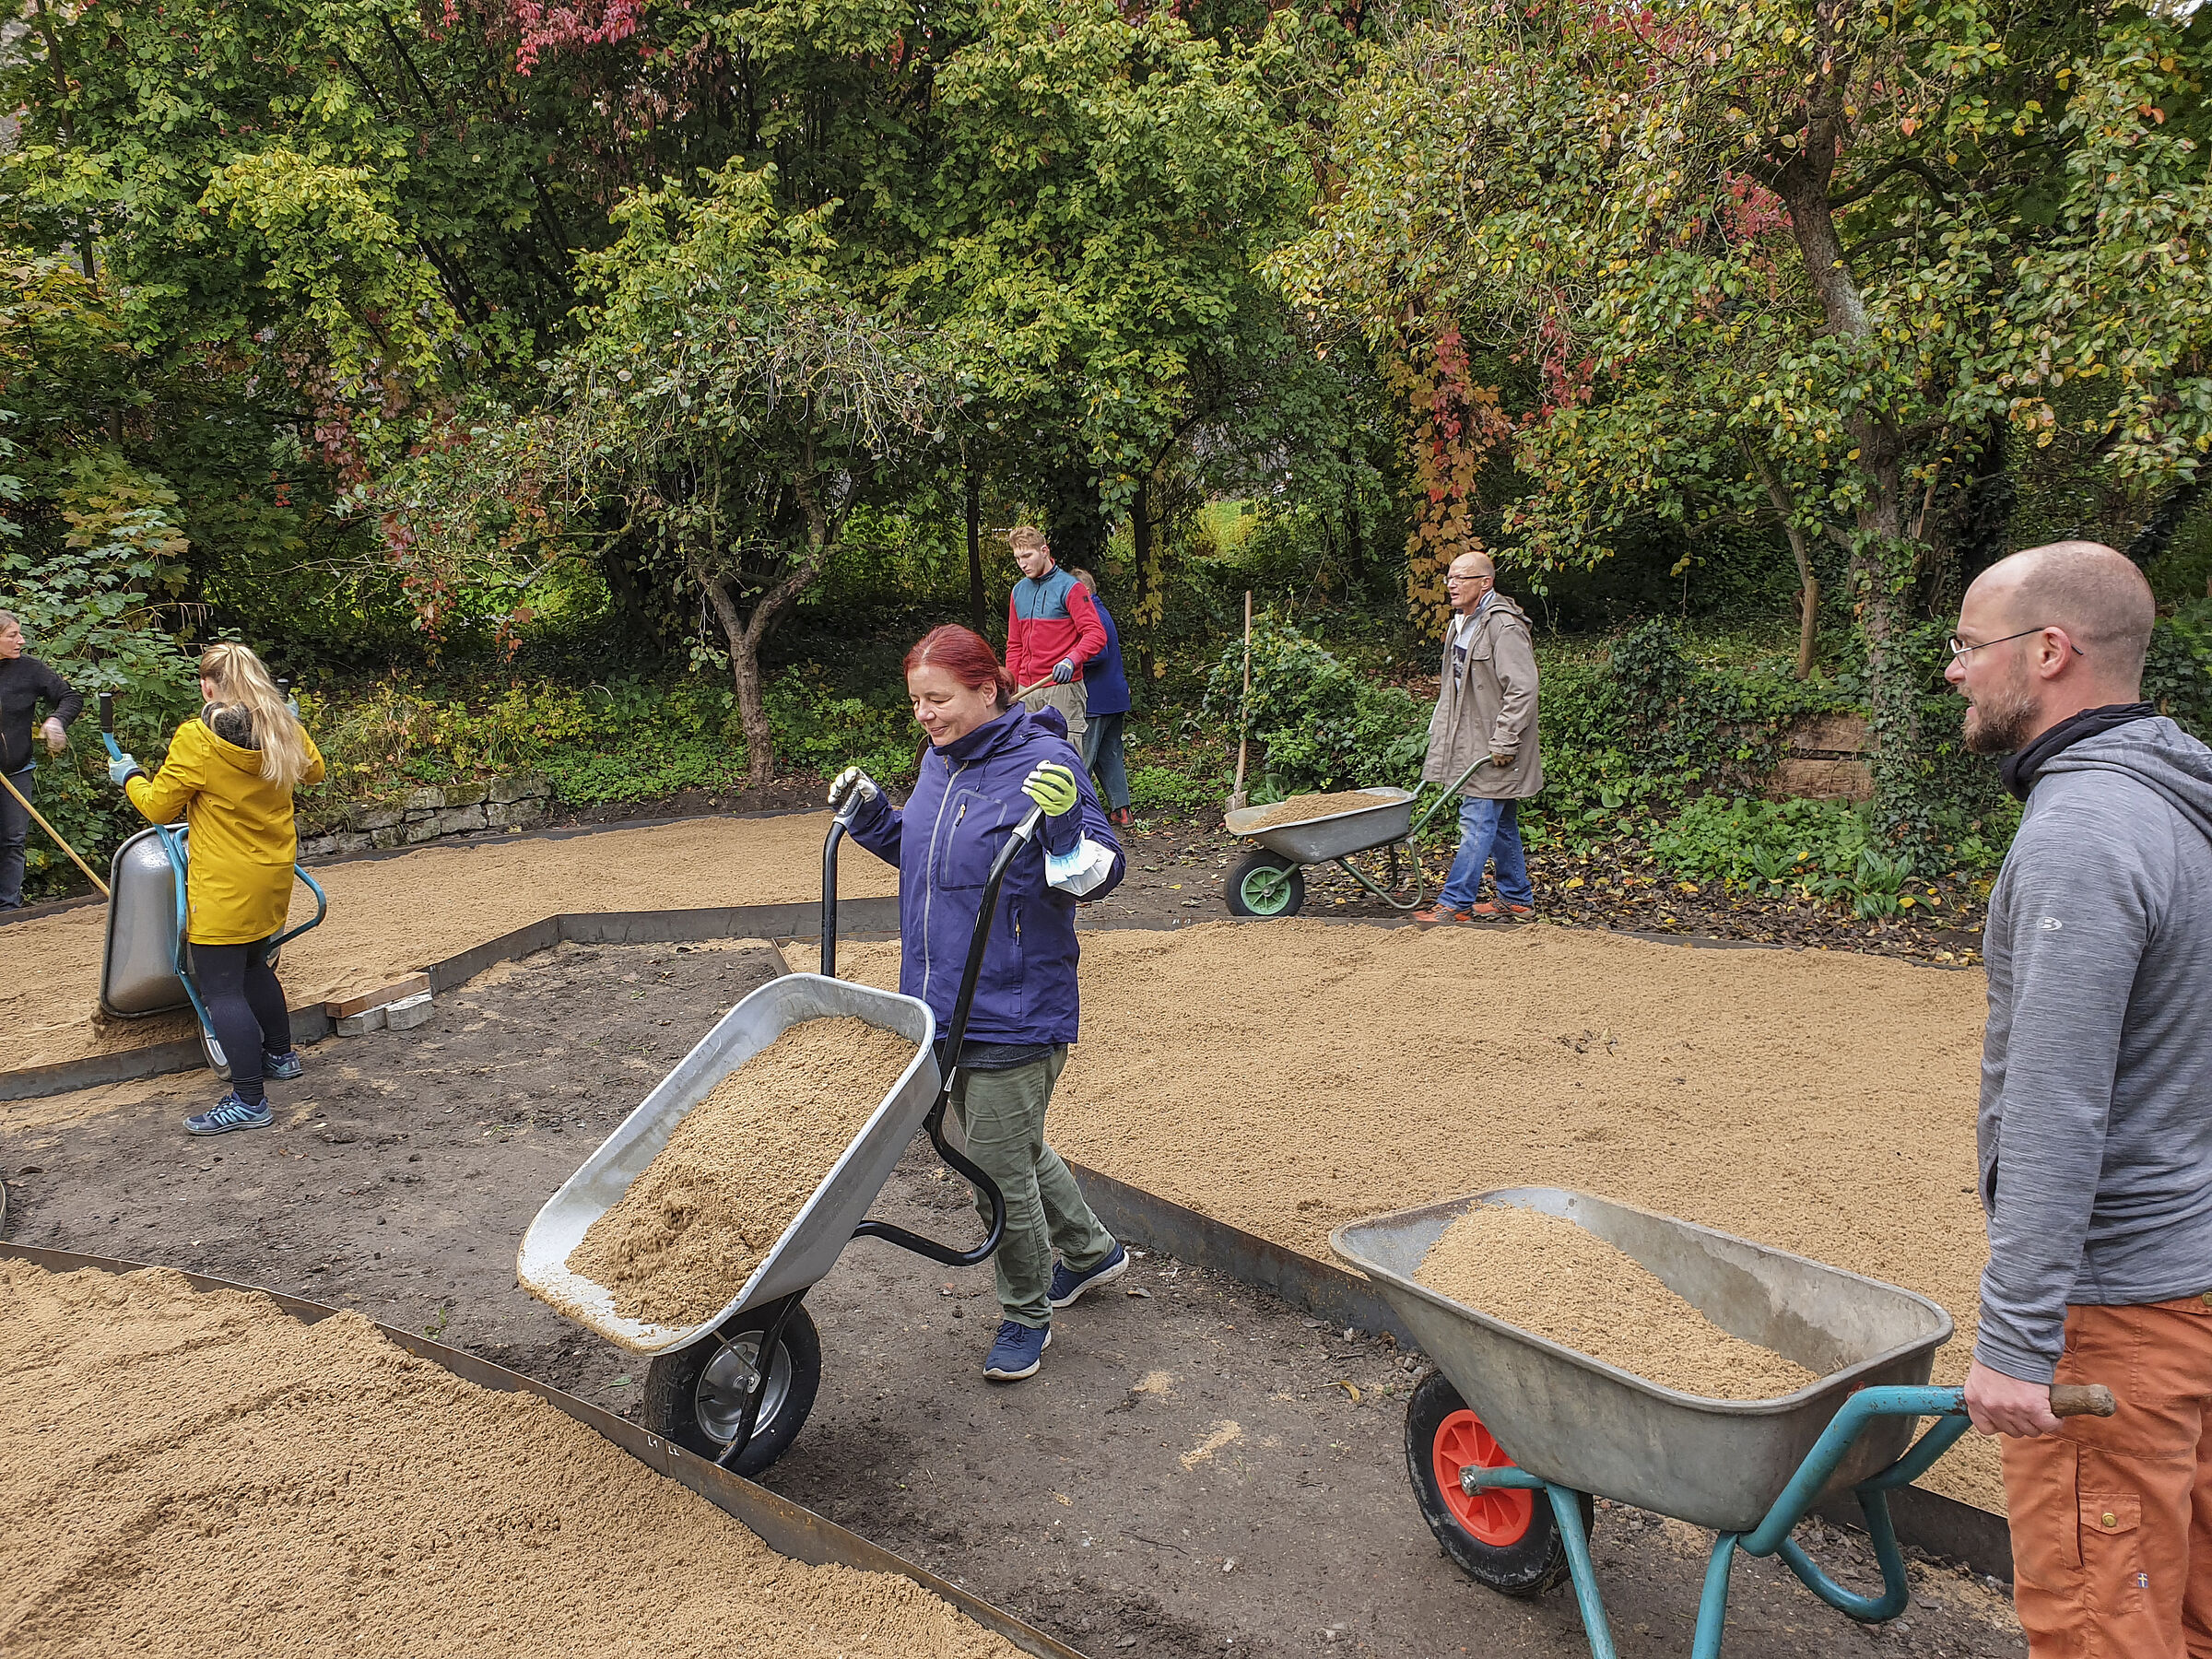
(1826, 761)
(515, 803)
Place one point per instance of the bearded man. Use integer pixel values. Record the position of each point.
(2095, 1117)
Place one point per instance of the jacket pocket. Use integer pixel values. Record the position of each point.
(2043, 1491)
(2111, 1541)
(967, 838)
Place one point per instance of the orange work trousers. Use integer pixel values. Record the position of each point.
(2112, 1517)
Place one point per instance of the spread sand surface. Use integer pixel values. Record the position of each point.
(1288, 1076)
(680, 1243)
(391, 916)
(190, 1472)
(1299, 808)
(1550, 1277)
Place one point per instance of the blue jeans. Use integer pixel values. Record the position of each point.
(15, 833)
(1487, 829)
(1102, 755)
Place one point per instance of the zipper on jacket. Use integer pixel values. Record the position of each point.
(929, 890)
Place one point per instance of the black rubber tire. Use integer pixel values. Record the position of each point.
(671, 1407)
(1526, 1568)
(1291, 895)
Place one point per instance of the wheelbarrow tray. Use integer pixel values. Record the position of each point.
(138, 961)
(1335, 835)
(1582, 1423)
(810, 1245)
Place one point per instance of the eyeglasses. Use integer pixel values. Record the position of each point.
(1959, 651)
(1450, 577)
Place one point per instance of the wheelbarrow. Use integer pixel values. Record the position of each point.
(736, 1386)
(1272, 881)
(1510, 1418)
(146, 960)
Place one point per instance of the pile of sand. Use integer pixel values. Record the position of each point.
(1550, 1277)
(1298, 809)
(391, 916)
(1288, 1076)
(740, 1166)
(190, 1473)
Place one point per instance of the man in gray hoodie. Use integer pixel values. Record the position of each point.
(2096, 1118)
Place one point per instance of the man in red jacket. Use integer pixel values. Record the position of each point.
(1052, 630)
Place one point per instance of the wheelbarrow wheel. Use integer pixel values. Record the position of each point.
(1505, 1538)
(1264, 884)
(696, 1396)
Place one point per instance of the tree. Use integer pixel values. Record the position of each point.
(1793, 259)
(728, 404)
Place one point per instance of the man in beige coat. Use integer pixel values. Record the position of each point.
(1485, 712)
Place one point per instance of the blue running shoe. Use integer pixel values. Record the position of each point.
(1068, 1285)
(1017, 1353)
(229, 1113)
(282, 1068)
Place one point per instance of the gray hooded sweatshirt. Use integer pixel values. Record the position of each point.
(2096, 1125)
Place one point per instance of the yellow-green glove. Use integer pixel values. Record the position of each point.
(1053, 787)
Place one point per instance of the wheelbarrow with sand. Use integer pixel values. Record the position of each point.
(1509, 1438)
(1376, 827)
(146, 960)
(736, 1386)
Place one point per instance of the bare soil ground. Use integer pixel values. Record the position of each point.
(1167, 1437)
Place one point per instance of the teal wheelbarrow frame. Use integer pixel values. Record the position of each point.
(173, 840)
(1749, 1469)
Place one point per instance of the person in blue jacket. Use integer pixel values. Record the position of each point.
(986, 764)
(1106, 689)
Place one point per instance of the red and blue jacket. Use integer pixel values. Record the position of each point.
(1048, 618)
(965, 802)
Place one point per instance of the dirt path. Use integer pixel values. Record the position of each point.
(1167, 1434)
(389, 917)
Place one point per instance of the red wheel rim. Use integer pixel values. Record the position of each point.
(1496, 1515)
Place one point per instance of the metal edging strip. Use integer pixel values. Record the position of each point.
(788, 1528)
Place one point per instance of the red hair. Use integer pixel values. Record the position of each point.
(966, 655)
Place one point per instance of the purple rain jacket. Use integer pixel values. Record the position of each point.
(965, 802)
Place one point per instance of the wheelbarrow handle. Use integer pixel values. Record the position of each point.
(107, 725)
(956, 1031)
(2082, 1399)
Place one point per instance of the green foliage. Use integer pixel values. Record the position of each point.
(1319, 724)
(1801, 848)
(2177, 674)
(1157, 788)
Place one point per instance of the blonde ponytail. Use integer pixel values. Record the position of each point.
(240, 681)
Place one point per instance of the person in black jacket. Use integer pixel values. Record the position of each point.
(25, 682)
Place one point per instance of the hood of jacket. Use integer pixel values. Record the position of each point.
(2155, 752)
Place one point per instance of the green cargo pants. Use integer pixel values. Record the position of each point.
(1003, 1114)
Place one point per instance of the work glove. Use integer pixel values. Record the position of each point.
(1063, 671)
(122, 769)
(1053, 787)
(57, 735)
(853, 785)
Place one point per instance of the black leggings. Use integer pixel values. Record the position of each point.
(245, 1005)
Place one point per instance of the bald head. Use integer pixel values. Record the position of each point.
(2096, 595)
(1468, 579)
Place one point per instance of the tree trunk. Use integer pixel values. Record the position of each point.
(1140, 540)
(1355, 556)
(1809, 585)
(975, 553)
(745, 633)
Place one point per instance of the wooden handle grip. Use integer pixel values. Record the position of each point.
(2082, 1399)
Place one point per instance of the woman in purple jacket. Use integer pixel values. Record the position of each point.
(987, 763)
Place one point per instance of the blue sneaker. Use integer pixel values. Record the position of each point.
(229, 1113)
(1017, 1353)
(1068, 1285)
(282, 1068)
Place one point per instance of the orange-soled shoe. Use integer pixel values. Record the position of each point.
(1441, 913)
(1491, 911)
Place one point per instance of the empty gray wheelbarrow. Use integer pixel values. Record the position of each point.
(1508, 1439)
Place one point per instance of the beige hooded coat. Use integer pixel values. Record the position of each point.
(1489, 707)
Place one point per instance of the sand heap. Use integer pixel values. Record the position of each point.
(190, 1473)
(1298, 809)
(1547, 1276)
(741, 1165)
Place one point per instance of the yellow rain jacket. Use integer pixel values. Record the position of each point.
(243, 843)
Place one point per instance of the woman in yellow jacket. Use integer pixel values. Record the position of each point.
(230, 775)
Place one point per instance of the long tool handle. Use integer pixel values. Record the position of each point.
(22, 801)
(1244, 707)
